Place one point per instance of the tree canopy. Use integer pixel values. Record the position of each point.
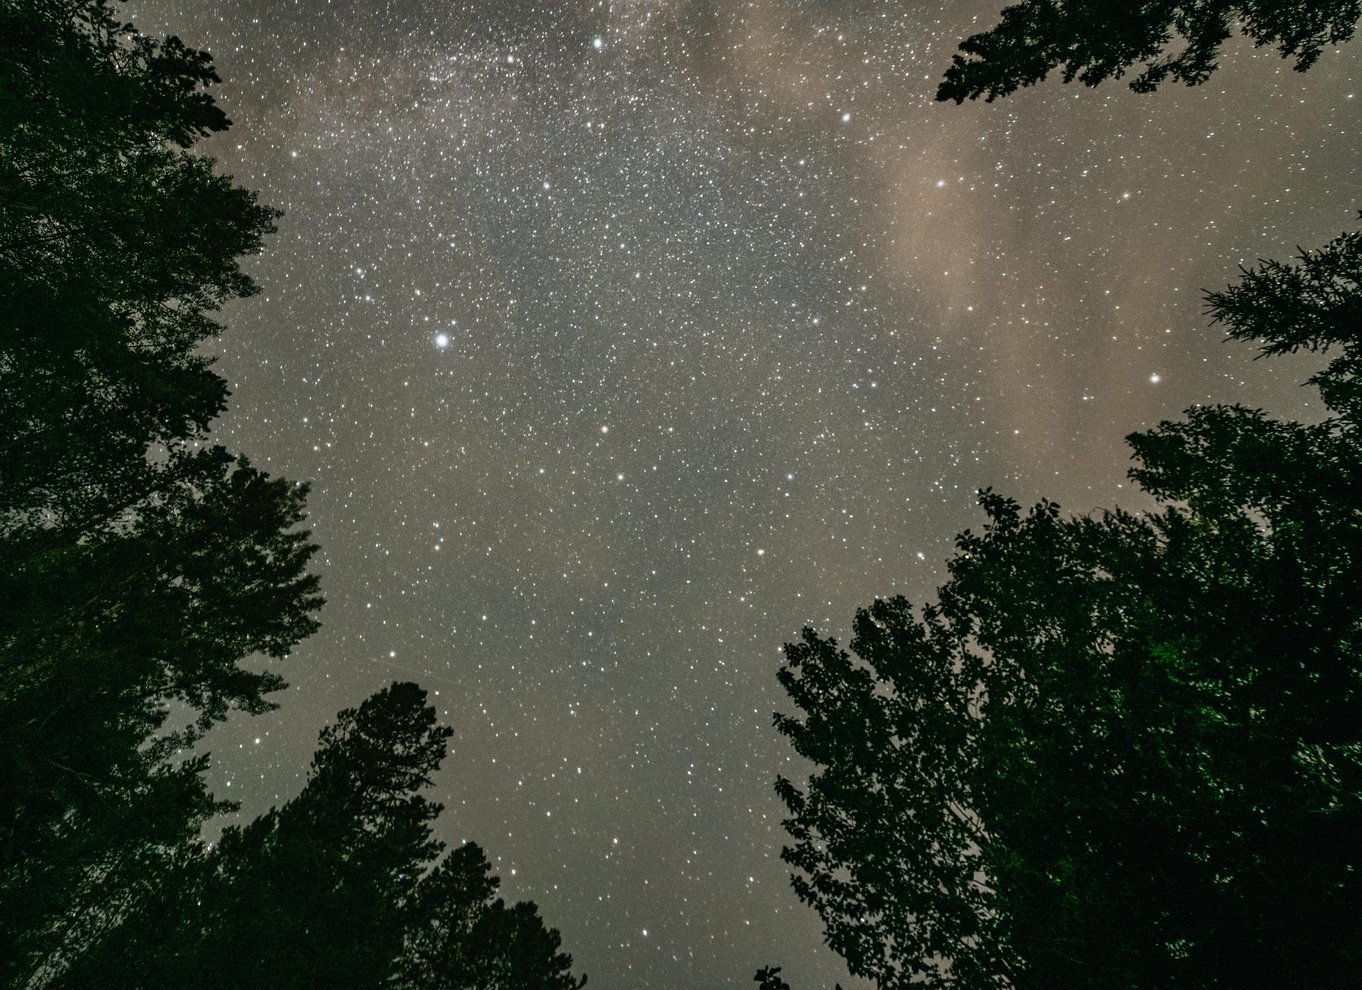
(344, 885)
(140, 565)
(1122, 749)
(1165, 40)
(117, 245)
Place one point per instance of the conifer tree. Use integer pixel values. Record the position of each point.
(139, 565)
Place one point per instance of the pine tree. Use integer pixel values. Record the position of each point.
(138, 565)
(343, 886)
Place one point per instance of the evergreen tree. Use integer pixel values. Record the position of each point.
(100, 638)
(1095, 40)
(138, 565)
(449, 907)
(117, 244)
(311, 894)
(1121, 750)
(339, 887)
(141, 565)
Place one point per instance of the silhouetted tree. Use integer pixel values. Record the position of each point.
(138, 566)
(1121, 750)
(99, 638)
(312, 894)
(460, 937)
(516, 952)
(116, 246)
(1095, 40)
(447, 908)
(768, 978)
(336, 888)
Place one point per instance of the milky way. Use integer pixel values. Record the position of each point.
(620, 340)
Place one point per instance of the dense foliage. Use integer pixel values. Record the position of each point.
(338, 887)
(142, 566)
(1095, 40)
(139, 564)
(1120, 750)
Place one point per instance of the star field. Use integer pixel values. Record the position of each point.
(620, 340)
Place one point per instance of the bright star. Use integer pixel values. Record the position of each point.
(442, 340)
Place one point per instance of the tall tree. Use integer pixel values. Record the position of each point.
(449, 906)
(117, 244)
(339, 887)
(1096, 40)
(1119, 750)
(461, 937)
(99, 639)
(311, 894)
(138, 564)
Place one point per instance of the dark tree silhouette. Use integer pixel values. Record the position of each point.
(1121, 750)
(138, 566)
(336, 888)
(116, 246)
(448, 907)
(768, 978)
(1095, 40)
(462, 938)
(311, 894)
(99, 637)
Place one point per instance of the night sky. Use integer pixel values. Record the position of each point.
(620, 340)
